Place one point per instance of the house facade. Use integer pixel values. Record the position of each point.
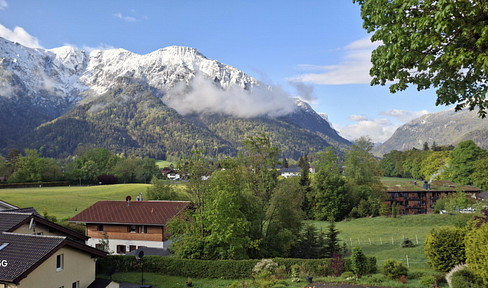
(129, 225)
(422, 201)
(35, 252)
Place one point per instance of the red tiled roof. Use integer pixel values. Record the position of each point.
(138, 212)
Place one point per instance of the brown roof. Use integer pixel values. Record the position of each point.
(137, 212)
(25, 252)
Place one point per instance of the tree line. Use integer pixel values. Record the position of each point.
(89, 166)
(242, 209)
(465, 164)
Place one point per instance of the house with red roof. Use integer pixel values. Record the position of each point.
(129, 225)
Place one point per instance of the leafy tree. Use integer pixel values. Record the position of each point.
(413, 163)
(444, 247)
(430, 43)
(330, 197)
(479, 177)
(160, 190)
(434, 164)
(197, 168)
(129, 170)
(226, 223)
(32, 168)
(283, 221)
(461, 162)
(391, 164)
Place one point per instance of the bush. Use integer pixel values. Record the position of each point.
(394, 269)
(444, 247)
(466, 279)
(348, 275)
(477, 257)
(427, 281)
(359, 262)
(407, 243)
(265, 265)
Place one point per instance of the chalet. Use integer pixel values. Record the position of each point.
(35, 252)
(129, 225)
(420, 198)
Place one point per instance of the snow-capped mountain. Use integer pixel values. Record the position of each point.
(40, 85)
(66, 72)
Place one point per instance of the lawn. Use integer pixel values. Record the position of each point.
(65, 202)
(158, 280)
(382, 236)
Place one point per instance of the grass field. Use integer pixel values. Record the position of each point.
(65, 202)
(382, 236)
(164, 163)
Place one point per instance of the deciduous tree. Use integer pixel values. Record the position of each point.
(431, 44)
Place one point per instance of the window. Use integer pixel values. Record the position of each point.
(132, 229)
(143, 229)
(100, 227)
(59, 262)
(132, 247)
(75, 284)
(121, 249)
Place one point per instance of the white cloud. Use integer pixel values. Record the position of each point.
(378, 129)
(20, 36)
(101, 46)
(202, 96)
(3, 4)
(402, 115)
(353, 68)
(125, 18)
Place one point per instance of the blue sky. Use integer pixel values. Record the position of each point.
(318, 42)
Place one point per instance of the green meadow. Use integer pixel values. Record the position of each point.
(382, 236)
(65, 202)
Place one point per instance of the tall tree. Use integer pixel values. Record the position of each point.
(330, 197)
(461, 161)
(431, 43)
(305, 183)
(362, 171)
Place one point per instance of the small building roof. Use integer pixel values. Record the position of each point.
(132, 212)
(25, 252)
(10, 220)
(6, 205)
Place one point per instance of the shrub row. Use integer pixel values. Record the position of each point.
(34, 184)
(226, 269)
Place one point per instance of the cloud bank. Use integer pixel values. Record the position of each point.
(20, 36)
(203, 96)
(353, 68)
(378, 129)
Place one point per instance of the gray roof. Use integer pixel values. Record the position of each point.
(12, 219)
(23, 252)
(9, 220)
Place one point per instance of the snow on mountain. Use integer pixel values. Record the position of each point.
(67, 71)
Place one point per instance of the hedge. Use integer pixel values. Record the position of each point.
(225, 269)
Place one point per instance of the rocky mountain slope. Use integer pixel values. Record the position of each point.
(161, 104)
(443, 128)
